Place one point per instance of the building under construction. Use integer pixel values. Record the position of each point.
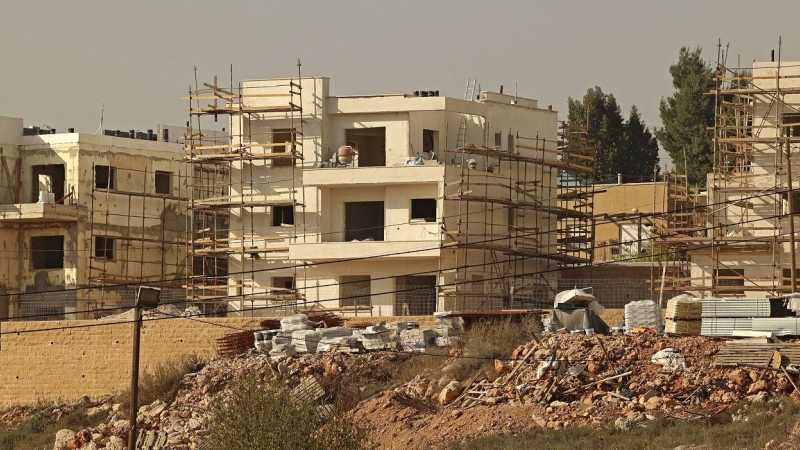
(380, 204)
(740, 240)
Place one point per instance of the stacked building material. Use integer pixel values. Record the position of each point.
(684, 315)
(721, 316)
(782, 326)
(724, 326)
(417, 339)
(642, 314)
(447, 327)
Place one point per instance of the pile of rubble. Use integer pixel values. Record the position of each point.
(574, 380)
(183, 423)
(560, 380)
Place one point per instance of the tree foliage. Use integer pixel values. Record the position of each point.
(687, 114)
(626, 147)
(266, 416)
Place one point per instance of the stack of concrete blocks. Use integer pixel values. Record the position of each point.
(448, 328)
(684, 315)
(395, 328)
(282, 345)
(642, 314)
(340, 339)
(417, 339)
(377, 337)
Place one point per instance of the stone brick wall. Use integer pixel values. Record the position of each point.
(94, 357)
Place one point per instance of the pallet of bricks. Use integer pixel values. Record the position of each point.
(684, 315)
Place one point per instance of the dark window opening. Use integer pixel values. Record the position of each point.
(728, 282)
(430, 141)
(283, 137)
(369, 144)
(363, 221)
(105, 177)
(791, 202)
(103, 248)
(787, 276)
(423, 209)
(791, 125)
(282, 215)
(47, 252)
(498, 140)
(47, 179)
(163, 182)
(283, 285)
(354, 290)
(416, 295)
(511, 144)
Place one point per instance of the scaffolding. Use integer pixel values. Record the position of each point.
(512, 222)
(136, 236)
(750, 203)
(230, 194)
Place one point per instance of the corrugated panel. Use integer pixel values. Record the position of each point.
(724, 326)
(736, 307)
(784, 326)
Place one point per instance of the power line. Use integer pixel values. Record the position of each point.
(268, 307)
(543, 256)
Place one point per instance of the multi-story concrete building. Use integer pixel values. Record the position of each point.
(392, 204)
(743, 242)
(85, 217)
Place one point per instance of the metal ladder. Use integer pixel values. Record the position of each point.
(469, 95)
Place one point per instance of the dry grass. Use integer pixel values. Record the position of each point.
(765, 423)
(489, 340)
(162, 382)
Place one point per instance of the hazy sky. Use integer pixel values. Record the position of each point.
(59, 60)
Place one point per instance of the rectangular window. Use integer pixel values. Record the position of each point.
(729, 282)
(103, 248)
(354, 290)
(105, 177)
(416, 295)
(370, 145)
(511, 144)
(163, 182)
(47, 252)
(282, 143)
(363, 221)
(47, 179)
(282, 215)
(791, 125)
(430, 141)
(791, 202)
(787, 276)
(423, 209)
(283, 282)
(498, 140)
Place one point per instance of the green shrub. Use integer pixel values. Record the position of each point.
(266, 416)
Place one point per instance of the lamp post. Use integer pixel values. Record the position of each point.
(145, 297)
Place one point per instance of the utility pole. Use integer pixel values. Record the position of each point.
(790, 196)
(137, 327)
(145, 297)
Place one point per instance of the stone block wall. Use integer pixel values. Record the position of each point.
(66, 360)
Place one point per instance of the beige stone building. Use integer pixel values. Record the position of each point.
(84, 218)
(377, 204)
(742, 245)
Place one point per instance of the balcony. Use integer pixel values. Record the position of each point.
(360, 176)
(38, 213)
(329, 251)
